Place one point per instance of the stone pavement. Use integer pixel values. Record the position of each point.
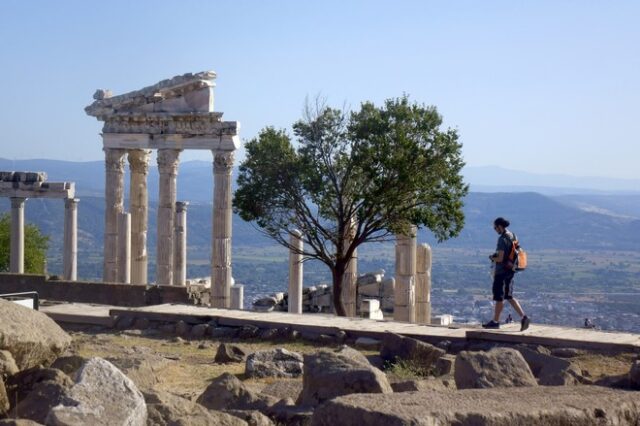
(547, 335)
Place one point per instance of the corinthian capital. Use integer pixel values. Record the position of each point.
(139, 160)
(168, 161)
(114, 159)
(223, 161)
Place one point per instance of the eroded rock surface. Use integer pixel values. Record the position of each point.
(228, 392)
(165, 409)
(499, 367)
(274, 363)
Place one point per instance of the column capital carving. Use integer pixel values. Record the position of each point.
(181, 206)
(17, 202)
(168, 161)
(139, 160)
(223, 161)
(114, 159)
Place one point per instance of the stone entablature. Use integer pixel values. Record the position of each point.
(37, 189)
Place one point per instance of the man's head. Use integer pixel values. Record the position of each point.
(500, 224)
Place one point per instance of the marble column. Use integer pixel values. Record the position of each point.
(180, 241)
(404, 294)
(16, 262)
(295, 273)
(70, 247)
(124, 248)
(139, 209)
(168, 169)
(350, 276)
(221, 238)
(423, 284)
(114, 199)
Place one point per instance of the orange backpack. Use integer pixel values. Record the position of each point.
(517, 259)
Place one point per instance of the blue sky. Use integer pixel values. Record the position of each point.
(545, 86)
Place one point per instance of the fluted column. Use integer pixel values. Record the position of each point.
(350, 276)
(221, 241)
(16, 262)
(295, 272)
(404, 294)
(180, 241)
(70, 250)
(113, 198)
(168, 169)
(423, 284)
(124, 248)
(139, 209)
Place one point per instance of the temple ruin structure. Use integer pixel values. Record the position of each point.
(170, 116)
(20, 186)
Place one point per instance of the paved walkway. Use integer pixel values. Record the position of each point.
(328, 324)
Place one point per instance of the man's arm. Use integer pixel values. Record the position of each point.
(498, 256)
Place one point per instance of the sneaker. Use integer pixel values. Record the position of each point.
(524, 323)
(491, 324)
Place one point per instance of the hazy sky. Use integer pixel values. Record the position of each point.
(544, 86)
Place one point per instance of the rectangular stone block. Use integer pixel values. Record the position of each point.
(369, 305)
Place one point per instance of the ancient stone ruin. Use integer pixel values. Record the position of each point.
(170, 116)
(20, 186)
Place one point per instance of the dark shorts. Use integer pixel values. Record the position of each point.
(503, 286)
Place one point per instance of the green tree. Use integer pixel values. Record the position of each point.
(35, 247)
(354, 178)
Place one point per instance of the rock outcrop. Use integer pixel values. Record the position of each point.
(228, 393)
(101, 395)
(558, 405)
(329, 374)
(227, 353)
(551, 370)
(274, 363)
(30, 336)
(396, 347)
(36, 390)
(499, 367)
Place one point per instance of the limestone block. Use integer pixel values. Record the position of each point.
(442, 319)
(369, 305)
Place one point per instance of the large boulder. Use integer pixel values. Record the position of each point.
(30, 336)
(284, 388)
(229, 353)
(8, 365)
(634, 374)
(165, 409)
(228, 392)
(499, 367)
(328, 374)
(430, 383)
(551, 370)
(420, 354)
(274, 363)
(101, 395)
(36, 390)
(558, 405)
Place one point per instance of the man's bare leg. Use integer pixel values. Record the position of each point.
(497, 310)
(517, 307)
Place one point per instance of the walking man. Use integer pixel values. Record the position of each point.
(503, 276)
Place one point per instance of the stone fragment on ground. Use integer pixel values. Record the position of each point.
(445, 365)
(36, 390)
(284, 388)
(277, 362)
(291, 415)
(228, 352)
(228, 392)
(165, 409)
(328, 374)
(396, 347)
(251, 417)
(69, 364)
(101, 395)
(30, 336)
(499, 367)
(558, 405)
(634, 374)
(551, 370)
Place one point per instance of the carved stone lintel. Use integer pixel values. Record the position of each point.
(168, 161)
(223, 161)
(139, 160)
(155, 124)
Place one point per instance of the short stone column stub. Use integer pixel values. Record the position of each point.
(124, 248)
(404, 294)
(423, 284)
(139, 209)
(168, 160)
(70, 246)
(16, 261)
(180, 240)
(237, 296)
(295, 272)
(114, 205)
(221, 230)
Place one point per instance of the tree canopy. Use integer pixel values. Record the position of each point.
(353, 178)
(35, 247)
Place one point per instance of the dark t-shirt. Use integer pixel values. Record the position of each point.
(504, 244)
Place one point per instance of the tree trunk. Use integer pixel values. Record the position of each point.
(338, 274)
